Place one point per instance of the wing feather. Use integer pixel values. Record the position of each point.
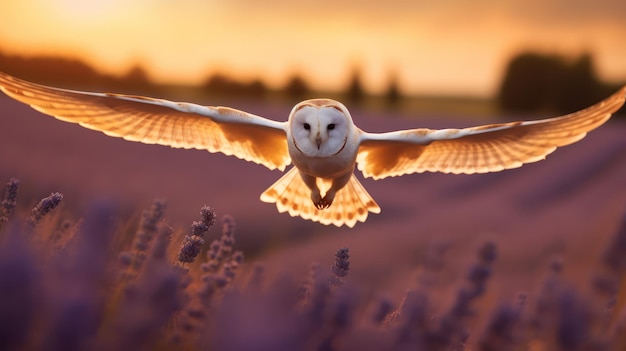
(482, 149)
(157, 121)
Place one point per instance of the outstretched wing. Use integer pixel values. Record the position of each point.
(481, 149)
(157, 121)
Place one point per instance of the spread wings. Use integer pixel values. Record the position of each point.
(481, 149)
(156, 121)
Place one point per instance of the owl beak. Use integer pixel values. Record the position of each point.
(318, 141)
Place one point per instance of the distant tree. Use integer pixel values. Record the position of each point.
(580, 87)
(220, 84)
(393, 94)
(296, 87)
(256, 87)
(69, 73)
(534, 82)
(355, 92)
(530, 82)
(52, 70)
(136, 79)
(137, 75)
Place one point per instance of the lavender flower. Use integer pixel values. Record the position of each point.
(9, 200)
(487, 253)
(256, 278)
(45, 206)
(343, 307)
(383, 308)
(150, 220)
(607, 283)
(213, 257)
(20, 289)
(161, 242)
(500, 333)
(615, 256)
(452, 331)
(340, 267)
(227, 240)
(237, 259)
(433, 263)
(318, 301)
(193, 242)
(190, 248)
(220, 252)
(220, 270)
(68, 299)
(147, 309)
(148, 226)
(341, 318)
(220, 255)
(574, 325)
(545, 309)
(208, 215)
(78, 304)
(522, 298)
(412, 331)
(305, 290)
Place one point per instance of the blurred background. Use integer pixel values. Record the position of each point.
(395, 63)
(395, 50)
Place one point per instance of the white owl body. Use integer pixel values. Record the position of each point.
(323, 145)
(325, 167)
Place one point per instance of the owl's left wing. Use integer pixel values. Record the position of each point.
(158, 121)
(488, 148)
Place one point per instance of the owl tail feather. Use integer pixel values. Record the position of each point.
(351, 204)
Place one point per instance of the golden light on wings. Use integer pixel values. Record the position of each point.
(156, 121)
(481, 149)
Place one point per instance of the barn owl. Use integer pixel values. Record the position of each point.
(319, 138)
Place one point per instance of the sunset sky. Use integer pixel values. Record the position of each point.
(452, 47)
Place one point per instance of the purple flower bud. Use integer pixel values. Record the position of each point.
(45, 206)
(487, 253)
(9, 200)
(382, 310)
(190, 248)
(341, 267)
(125, 258)
(207, 215)
(192, 244)
(199, 228)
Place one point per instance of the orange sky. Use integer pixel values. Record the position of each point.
(449, 46)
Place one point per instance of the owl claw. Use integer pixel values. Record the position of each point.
(322, 204)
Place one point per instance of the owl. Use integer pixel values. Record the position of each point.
(319, 138)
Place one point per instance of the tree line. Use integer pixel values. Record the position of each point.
(532, 82)
(74, 73)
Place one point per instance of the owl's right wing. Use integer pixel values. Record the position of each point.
(482, 149)
(158, 121)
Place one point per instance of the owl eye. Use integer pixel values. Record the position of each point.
(307, 126)
(331, 126)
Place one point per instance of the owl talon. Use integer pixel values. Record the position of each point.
(322, 204)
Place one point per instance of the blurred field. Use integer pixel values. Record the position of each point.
(568, 205)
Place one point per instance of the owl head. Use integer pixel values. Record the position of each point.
(320, 127)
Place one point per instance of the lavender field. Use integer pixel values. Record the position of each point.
(526, 259)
